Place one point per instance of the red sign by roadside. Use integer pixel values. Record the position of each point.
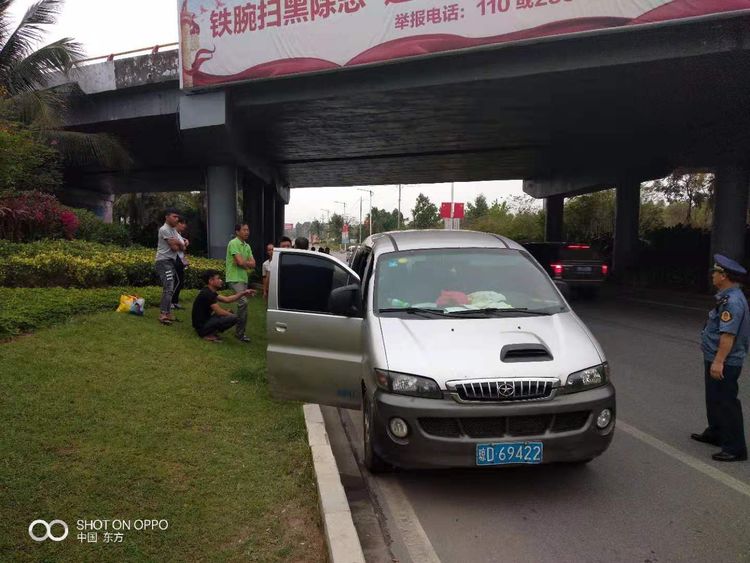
(445, 210)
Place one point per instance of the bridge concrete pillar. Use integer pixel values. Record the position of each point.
(269, 214)
(627, 211)
(252, 213)
(279, 227)
(221, 196)
(730, 211)
(553, 218)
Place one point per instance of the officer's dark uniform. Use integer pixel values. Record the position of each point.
(723, 408)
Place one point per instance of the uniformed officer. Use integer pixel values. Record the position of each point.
(725, 343)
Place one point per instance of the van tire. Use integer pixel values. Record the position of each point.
(373, 462)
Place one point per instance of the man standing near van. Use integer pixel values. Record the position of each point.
(725, 342)
(239, 262)
(167, 245)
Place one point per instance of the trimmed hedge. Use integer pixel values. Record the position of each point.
(25, 309)
(93, 229)
(82, 264)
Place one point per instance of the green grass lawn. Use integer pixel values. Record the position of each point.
(112, 416)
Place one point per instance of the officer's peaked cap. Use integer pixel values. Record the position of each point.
(728, 265)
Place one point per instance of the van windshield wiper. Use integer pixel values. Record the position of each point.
(498, 310)
(414, 311)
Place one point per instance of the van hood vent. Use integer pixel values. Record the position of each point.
(525, 353)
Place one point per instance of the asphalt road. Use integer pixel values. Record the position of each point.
(654, 496)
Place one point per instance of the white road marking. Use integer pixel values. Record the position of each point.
(663, 304)
(690, 461)
(415, 539)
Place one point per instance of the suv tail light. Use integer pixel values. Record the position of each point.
(605, 269)
(578, 247)
(557, 270)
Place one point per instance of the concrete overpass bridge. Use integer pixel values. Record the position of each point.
(569, 115)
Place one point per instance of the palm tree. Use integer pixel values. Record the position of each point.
(25, 71)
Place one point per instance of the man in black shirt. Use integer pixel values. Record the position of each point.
(209, 318)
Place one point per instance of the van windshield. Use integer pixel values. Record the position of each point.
(458, 281)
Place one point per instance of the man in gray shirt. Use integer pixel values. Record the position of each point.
(167, 246)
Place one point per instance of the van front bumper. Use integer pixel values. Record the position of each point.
(445, 433)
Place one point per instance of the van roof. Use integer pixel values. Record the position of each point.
(424, 239)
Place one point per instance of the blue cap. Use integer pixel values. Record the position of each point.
(728, 265)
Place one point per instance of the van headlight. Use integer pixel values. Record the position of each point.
(587, 379)
(407, 384)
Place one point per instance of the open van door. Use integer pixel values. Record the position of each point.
(314, 329)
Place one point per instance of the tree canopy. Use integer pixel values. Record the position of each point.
(425, 214)
(25, 96)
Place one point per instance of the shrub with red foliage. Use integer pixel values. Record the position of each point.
(33, 215)
(69, 223)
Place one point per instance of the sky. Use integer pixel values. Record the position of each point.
(310, 203)
(110, 26)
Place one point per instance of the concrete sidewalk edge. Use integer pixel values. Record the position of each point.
(341, 535)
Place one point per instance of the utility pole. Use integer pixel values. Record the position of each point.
(360, 219)
(398, 217)
(452, 220)
(328, 222)
(344, 217)
(369, 192)
(344, 204)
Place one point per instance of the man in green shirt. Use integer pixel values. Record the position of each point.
(239, 262)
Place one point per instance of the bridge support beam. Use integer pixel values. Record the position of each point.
(221, 191)
(627, 211)
(269, 214)
(730, 211)
(553, 218)
(280, 212)
(263, 209)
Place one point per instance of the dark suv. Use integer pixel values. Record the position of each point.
(583, 268)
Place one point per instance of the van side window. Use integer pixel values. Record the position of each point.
(306, 282)
(365, 277)
(360, 261)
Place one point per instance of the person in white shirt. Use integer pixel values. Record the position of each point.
(267, 270)
(285, 242)
(181, 262)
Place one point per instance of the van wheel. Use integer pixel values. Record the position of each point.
(373, 462)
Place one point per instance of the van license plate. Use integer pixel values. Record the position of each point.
(509, 452)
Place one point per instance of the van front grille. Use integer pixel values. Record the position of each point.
(501, 390)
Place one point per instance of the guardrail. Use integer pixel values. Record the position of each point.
(111, 57)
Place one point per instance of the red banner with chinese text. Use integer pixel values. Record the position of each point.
(224, 41)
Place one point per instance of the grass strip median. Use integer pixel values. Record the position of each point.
(112, 416)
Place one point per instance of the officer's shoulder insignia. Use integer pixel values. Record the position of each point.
(724, 300)
(726, 316)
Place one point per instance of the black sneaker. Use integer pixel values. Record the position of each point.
(726, 456)
(244, 339)
(705, 439)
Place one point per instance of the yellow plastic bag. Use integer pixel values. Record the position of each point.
(131, 304)
(126, 301)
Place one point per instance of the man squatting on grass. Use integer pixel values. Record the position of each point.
(168, 245)
(209, 318)
(238, 263)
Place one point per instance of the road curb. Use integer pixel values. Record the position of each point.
(341, 536)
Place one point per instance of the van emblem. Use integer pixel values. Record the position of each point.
(506, 389)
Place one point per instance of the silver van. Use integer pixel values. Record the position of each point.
(457, 346)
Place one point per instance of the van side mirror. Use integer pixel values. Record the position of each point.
(346, 301)
(564, 288)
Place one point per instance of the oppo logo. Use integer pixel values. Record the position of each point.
(48, 534)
